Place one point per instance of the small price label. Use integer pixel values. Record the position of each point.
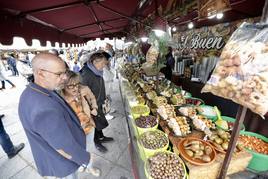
(213, 80)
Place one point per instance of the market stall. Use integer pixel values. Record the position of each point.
(174, 130)
(203, 133)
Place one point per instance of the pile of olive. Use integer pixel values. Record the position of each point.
(154, 140)
(146, 121)
(165, 165)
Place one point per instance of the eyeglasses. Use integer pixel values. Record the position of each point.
(59, 74)
(72, 86)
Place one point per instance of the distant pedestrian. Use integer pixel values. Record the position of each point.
(3, 78)
(6, 143)
(76, 67)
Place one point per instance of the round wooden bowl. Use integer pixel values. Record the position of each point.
(191, 160)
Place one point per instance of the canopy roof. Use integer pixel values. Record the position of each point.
(77, 21)
(69, 21)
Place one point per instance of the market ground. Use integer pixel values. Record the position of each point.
(115, 164)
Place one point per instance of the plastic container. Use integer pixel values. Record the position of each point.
(232, 121)
(146, 153)
(206, 110)
(145, 111)
(186, 94)
(259, 162)
(143, 130)
(149, 177)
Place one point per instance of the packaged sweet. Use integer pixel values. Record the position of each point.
(242, 72)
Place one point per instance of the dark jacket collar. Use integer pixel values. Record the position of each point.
(40, 89)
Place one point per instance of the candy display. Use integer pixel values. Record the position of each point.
(165, 165)
(241, 74)
(146, 121)
(153, 140)
(179, 126)
(166, 111)
(206, 121)
(189, 111)
(181, 121)
(254, 143)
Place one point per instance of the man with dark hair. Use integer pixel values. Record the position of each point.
(6, 143)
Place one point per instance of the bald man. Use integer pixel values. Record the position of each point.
(55, 135)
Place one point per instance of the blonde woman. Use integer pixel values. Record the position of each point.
(84, 104)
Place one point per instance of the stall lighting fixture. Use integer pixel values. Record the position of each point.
(128, 43)
(144, 39)
(190, 25)
(219, 15)
(174, 29)
(212, 16)
(158, 32)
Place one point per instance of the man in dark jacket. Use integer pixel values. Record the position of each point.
(54, 132)
(92, 76)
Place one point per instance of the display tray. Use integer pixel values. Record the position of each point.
(238, 163)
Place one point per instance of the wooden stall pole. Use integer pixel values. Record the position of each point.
(240, 116)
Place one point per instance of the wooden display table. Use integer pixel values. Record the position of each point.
(238, 163)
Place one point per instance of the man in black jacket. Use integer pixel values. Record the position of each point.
(92, 76)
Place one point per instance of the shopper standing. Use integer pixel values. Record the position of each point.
(3, 78)
(92, 76)
(57, 140)
(12, 62)
(6, 143)
(84, 104)
(76, 67)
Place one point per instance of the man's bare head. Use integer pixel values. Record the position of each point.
(49, 71)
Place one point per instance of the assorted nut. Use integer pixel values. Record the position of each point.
(146, 121)
(166, 165)
(154, 140)
(254, 143)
